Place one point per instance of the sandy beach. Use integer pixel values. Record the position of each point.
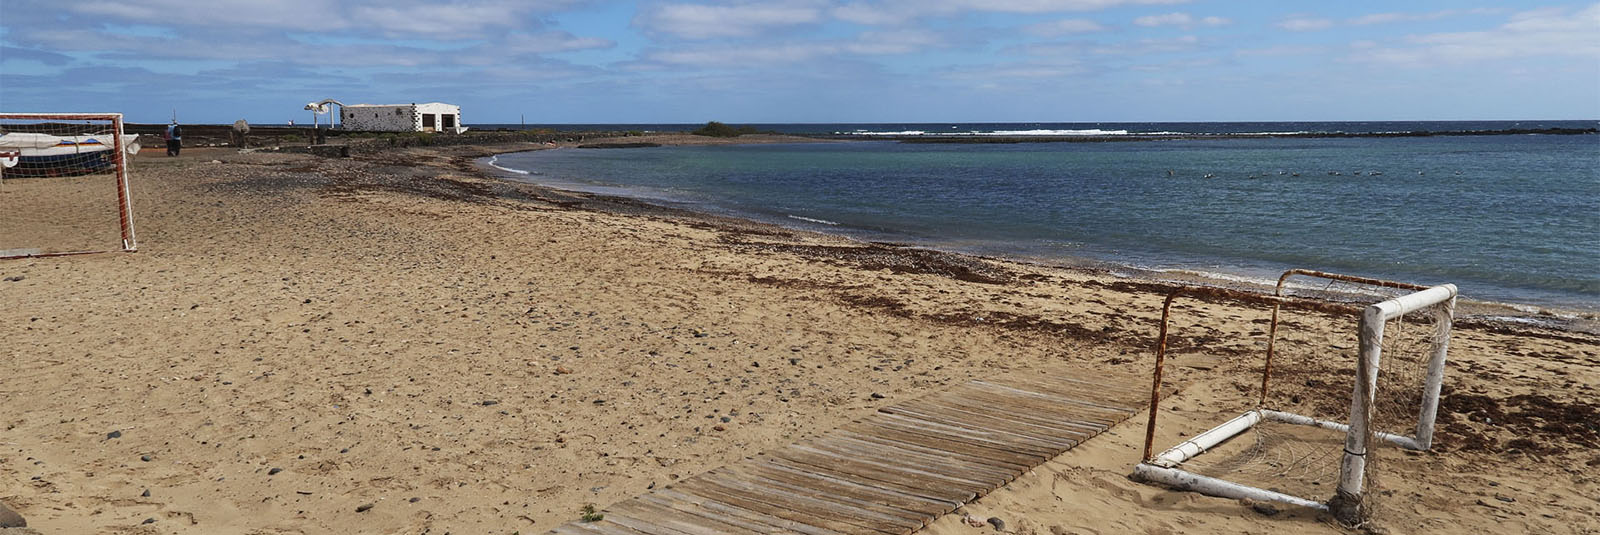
(401, 343)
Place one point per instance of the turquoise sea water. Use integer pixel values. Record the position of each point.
(1511, 218)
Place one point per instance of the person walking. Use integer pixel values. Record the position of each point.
(174, 137)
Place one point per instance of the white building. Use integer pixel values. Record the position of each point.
(430, 117)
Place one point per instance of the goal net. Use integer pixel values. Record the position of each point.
(64, 184)
(1332, 399)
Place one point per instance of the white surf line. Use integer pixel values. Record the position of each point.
(819, 221)
(503, 168)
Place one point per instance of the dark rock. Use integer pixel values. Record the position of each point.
(489, 402)
(15, 278)
(726, 419)
(145, 458)
(719, 427)
(10, 519)
(876, 395)
(145, 494)
(414, 499)
(1506, 499)
(999, 525)
(1265, 508)
(364, 507)
(113, 434)
(148, 521)
(274, 471)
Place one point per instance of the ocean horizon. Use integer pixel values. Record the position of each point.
(1509, 218)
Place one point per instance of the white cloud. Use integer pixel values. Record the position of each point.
(1064, 27)
(547, 42)
(1179, 19)
(701, 21)
(1541, 32)
(1150, 46)
(881, 12)
(1386, 18)
(1305, 24)
(866, 44)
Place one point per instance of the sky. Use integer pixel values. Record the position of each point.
(751, 61)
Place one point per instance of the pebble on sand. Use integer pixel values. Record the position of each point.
(563, 370)
(10, 519)
(364, 508)
(274, 471)
(113, 434)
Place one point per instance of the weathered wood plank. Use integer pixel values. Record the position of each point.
(890, 473)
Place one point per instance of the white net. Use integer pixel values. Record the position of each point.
(60, 188)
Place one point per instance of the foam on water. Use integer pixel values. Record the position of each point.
(496, 158)
(813, 220)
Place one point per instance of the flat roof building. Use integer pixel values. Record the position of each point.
(429, 117)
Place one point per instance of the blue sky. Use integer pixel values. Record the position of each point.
(574, 61)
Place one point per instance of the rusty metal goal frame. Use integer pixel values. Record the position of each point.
(1346, 504)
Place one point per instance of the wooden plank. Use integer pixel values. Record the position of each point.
(958, 460)
(938, 444)
(601, 527)
(703, 506)
(1036, 410)
(736, 523)
(854, 513)
(1055, 406)
(956, 419)
(1077, 391)
(800, 509)
(1080, 403)
(1093, 406)
(942, 464)
(1002, 421)
(742, 473)
(646, 527)
(972, 479)
(955, 496)
(908, 471)
(823, 484)
(933, 425)
(919, 427)
(1021, 414)
(678, 520)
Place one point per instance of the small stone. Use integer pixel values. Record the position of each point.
(148, 521)
(999, 525)
(274, 471)
(726, 419)
(145, 494)
(563, 370)
(1265, 508)
(719, 427)
(414, 499)
(113, 434)
(489, 402)
(10, 519)
(1504, 498)
(599, 402)
(15, 278)
(876, 395)
(145, 458)
(364, 507)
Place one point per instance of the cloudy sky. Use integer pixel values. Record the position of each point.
(576, 61)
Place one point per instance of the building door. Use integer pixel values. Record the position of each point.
(428, 124)
(449, 121)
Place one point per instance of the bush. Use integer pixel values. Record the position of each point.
(716, 129)
(291, 138)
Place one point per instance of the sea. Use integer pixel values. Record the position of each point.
(1507, 218)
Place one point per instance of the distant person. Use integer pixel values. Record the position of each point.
(174, 137)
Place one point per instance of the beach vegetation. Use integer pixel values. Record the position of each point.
(717, 129)
(291, 138)
(591, 515)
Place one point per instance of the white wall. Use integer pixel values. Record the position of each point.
(401, 118)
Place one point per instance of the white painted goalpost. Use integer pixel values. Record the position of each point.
(1347, 503)
(64, 184)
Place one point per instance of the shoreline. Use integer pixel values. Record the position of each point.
(401, 342)
(1509, 313)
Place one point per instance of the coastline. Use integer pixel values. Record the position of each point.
(1469, 309)
(401, 342)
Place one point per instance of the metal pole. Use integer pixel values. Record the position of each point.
(1346, 503)
(124, 203)
(1444, 316)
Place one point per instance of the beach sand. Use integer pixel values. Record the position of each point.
(399, 343)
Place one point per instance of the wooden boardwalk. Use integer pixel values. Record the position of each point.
(890, 473)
